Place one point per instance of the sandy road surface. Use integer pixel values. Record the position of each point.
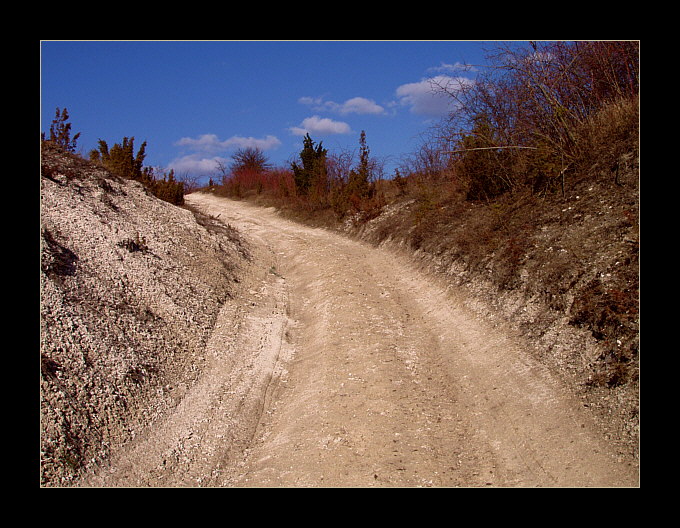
(349, 368)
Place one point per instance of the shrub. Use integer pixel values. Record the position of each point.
(134, 244)
(60, 132)
(167, 188)
(311, 176)
(121, 161)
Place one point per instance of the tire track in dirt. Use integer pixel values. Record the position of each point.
(389, 381)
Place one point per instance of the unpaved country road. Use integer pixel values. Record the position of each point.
(350, 368)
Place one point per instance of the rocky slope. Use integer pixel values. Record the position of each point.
(130, 287)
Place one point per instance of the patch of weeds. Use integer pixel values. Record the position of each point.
(48, 367)
(56, 259)
(612, 369)
(134, 244)
(140, 374)
(604, 311)
(610, 313)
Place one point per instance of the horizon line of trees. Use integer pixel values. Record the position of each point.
(316, 180)
(525, 122)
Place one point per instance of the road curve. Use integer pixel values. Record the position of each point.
(382, 379)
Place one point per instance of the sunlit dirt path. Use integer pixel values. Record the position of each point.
(384, 380)
(341, 365)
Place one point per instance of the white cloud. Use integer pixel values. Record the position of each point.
(456, 67)
(210, 143)
(196, 164)
(319, 125)
(360, 105)
(310, 100)
(355, 105)
(208, 150)
(427, 97)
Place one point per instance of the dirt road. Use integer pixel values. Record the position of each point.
(349, 368)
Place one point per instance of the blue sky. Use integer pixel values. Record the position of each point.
(196, 102)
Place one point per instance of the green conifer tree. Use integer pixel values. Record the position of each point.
(313, 166)
(358, 185)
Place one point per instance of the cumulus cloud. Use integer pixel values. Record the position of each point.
(196, 164)
(319, 125)
(207, 150)
(455, 67)
(210, 143)
(316, 101)
(355, 105)
(428, 97)
(360, 105)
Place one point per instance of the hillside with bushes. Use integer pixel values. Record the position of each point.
(120, 160)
